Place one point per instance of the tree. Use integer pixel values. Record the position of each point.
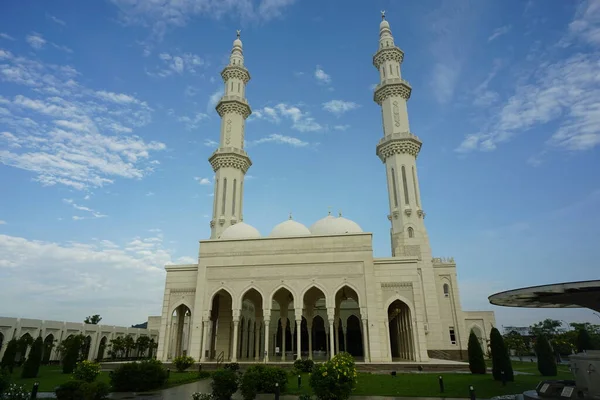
(8, 360)
(584, 341)
(476, 361)
(500, 358)
(70, 351)
(545, 357)
(32, 365)
(514, 341)
(129, 344)
(93, 319)
(548, 328)
(142, 344)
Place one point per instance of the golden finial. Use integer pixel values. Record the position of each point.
(290, 215)
(329, 210)
(238, 33)
(340, 213)
(382, 14)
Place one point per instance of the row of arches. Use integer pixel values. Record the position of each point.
(284, 327)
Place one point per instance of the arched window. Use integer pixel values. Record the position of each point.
(398, 70)
(239, 89)
(383, 70)
(411, 232)
(216, 193)
(394, 188)
(415, 186)
(404, 185)
(446, 290)
(224, 196)
(233, 199)
(232, 86)
(391, 72)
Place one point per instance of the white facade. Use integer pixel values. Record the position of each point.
(54, 332)
(247, 290)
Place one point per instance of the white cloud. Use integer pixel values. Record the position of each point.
(62, 48)
(338, 107)
(210, 143)
(503, 30)
(62, 281)
(341, 127)
(58, 21)
(202, 181)
(213, 100)
(6, 36)
(280, 139)
(301, 121)
(59, 131)
(177, 64)
(92, 213)
(149, 194)
(193, 121)
(35, 40)
(586, 24)
(322, 76)
(2, 222)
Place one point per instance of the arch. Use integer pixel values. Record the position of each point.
(102, 348)
(216, 292)
(353, 340)
(180, 303)
(316, 286)
(401, 330)
(180, 336)
(248, 289)
(402, 299)
(446, 289)
(289, 289)
(47, 349)
(411, 232)
(351, 286)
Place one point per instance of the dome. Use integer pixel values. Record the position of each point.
(334, 226)
(384, 24)
(241, 230)
(289, 228)
(237, 42)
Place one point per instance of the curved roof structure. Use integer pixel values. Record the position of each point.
(583, 294)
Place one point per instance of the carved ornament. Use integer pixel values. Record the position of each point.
(233, 104)
(396, 114)
(286, 251)
(395, 284)
(235, 72)
(388, 54)
(421, 213)
(212, 223)
(408, 211)
(230, 159)
(228, 132)
(413, 250)
(390, 147)
(392, 87)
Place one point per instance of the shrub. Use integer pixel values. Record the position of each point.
(545, 357)
(70, 349)
(4, 380)
(86, 371)
(183, 362)
(203, 374)
(139, 376)
(32, 365)
(249, 384)
(584, 341)
(268, 377)
(305, 397)
(232, 366)
(8, 360)
(304, 365)
(16, 392)
(476, 361)
(500, 358)
(224, 384)
(334, 379)
(81, 390)
(69, 390)
(202, 396)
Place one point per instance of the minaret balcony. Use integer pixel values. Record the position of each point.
(235, 72)
(388, 54)
(233, 104)
(392, 87)
(230, 157)
(398, 143)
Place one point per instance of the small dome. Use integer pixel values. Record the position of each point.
(237, 42)
(241, 230)
(384, 24)
(334, 226)
(289, 228)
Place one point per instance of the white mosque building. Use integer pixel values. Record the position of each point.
(312, 292)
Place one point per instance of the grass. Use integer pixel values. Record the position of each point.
(51, 376)
(426, 384)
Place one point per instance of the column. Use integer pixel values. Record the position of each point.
(331, 338)
(179, 339)
(386, 324)
(299, 338)
(256, 340)
(267, 321)
(283, 336)
(336, 335)
(236, 323)
(205, 323)
(365, 333)
(310, 335)
(244, 343)
(345, 331)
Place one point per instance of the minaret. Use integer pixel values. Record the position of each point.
(398, 149)
(230, 162)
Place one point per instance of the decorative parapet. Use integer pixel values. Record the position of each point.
(411, 250)
(230, 157)
(398, 143)
(392, 87)
(233, 104)
(388, 54)
(233, 71)
(443, 260)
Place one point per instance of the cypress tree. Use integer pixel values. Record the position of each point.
(476, 361)
(500, 358)
(8, 360)
(32, 365)
(584, 341)
(545, 357)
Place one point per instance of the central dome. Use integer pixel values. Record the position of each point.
(241, 230)
(331, 225)
(289, 228)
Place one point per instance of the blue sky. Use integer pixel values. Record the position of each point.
(107, 120)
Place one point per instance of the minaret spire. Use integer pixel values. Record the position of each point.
(398, 149)
(230, 162)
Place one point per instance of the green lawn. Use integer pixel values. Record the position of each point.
(426, 384)
(50, 376)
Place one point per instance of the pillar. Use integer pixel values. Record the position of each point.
(345, 331)
(266, 323)
(336, 336)
(283, 336)
(256, 340)
(331, 338)
(366, 353)
(180, 323)
(310, 335)
(299, 338)
(205, 323)
(236, 323)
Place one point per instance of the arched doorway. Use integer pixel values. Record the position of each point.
(400, 331)
(180, 328)
(87, 345)
(354, 337)
(282, 311)
(23, 345)
(102, 348)
(320, 343)
(47, 349)
(251, 329)
(221, 326)
(315, 304)
(346, 305)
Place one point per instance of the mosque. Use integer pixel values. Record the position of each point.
(312, 292)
